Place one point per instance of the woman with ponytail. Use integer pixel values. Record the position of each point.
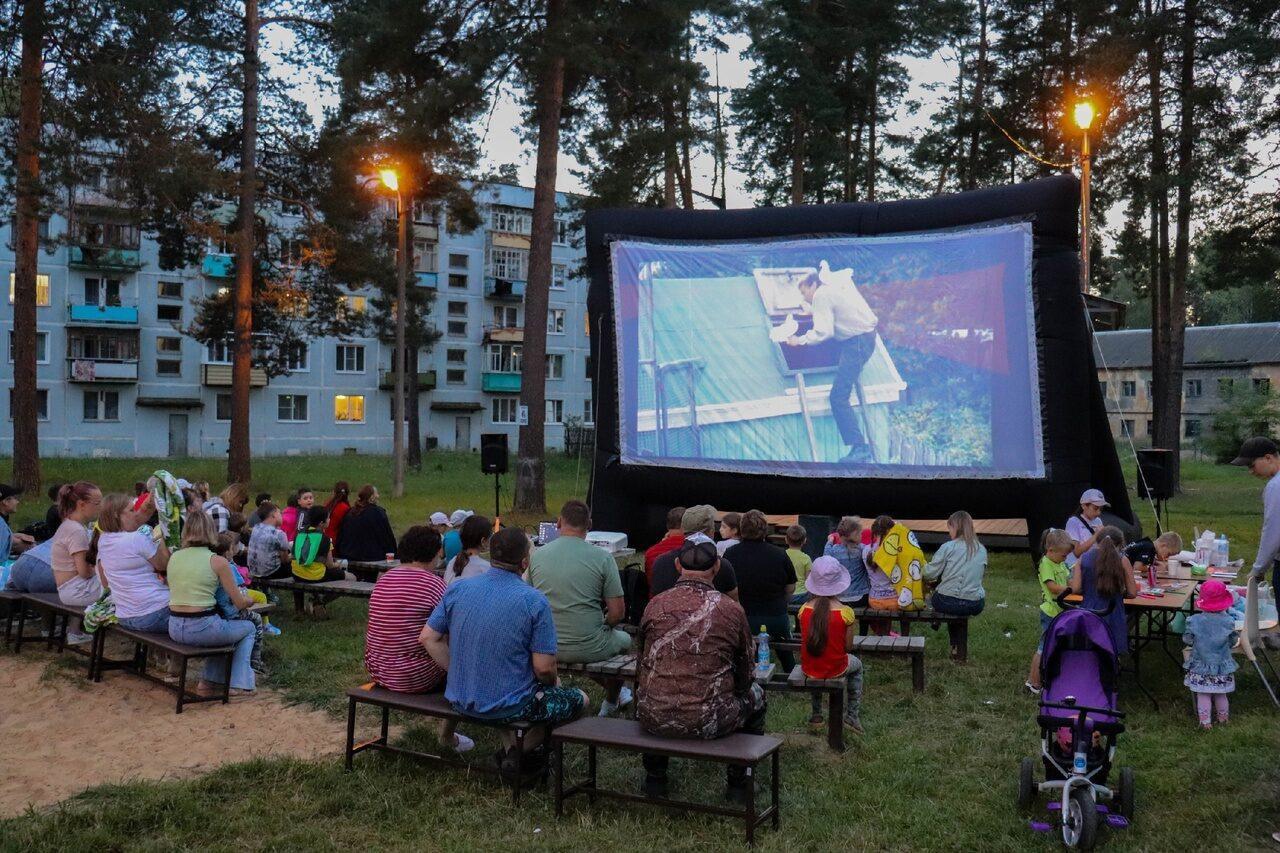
(73, 571)
(475, 534)
(826, 638)
(1104, 577)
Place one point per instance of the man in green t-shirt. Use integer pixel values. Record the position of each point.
(585, 590)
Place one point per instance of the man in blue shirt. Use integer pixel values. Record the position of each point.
(495, 636)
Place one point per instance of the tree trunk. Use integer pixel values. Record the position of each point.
(855, 155)
(413, 450)
(873, 108)
(798, 154)
(686, 158)
(531, 487)
(1166, 347)
(970, 179)
(239, 466)
(670, 160)
(404, 212)
(25, 407)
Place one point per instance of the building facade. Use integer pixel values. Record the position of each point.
(1217, 360)
(117, 377)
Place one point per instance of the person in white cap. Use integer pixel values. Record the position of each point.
(453, 537)
(1083, 527)
(440, 522)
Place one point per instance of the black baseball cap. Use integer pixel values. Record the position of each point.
(1254, 448)
(7, 491)
(698, 556)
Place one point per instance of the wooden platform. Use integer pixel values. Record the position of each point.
(992, 532)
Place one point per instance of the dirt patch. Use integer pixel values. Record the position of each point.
(60, 734)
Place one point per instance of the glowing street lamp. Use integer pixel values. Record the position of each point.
(1084, 115)
(390, 180)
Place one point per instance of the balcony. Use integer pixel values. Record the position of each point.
(218, 265)
(426, 380)
(103, 258)
(426, 279)
(219, 376)
(503, 335)
(504, 288)
(102, 369)
(500, 383)
(103, 315)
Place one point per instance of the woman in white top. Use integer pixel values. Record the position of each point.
(129, 562)
(468, 563)
(78, 583)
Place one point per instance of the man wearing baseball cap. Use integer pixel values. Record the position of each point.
(1261, 456)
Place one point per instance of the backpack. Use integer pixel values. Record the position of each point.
(306, 546)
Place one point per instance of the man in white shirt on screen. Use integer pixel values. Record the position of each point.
(840, 313)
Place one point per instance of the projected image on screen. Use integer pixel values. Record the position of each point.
(906, 356)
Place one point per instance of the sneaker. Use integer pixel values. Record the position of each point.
(271, 630)
(77, 638)
(1035, 691)
(1275, 836)
(462, 743)
(607, 708)
(854, 725)
(624, 697)
(655, 787)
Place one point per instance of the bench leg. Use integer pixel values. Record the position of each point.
(917, 673)
(297, 601)
(775, 785)
(97, 648)
(751, 804)
(557, 749)
(962, 641)
(22, 627)
(226, 685)
(591, 775)
(351, 730)
(835, 723)
(386, 723)
(515, 794)
(182, 684)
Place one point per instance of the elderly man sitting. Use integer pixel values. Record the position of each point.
(695, 667)
(699, 525)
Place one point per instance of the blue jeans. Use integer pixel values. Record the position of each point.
(855, 352)
(31, 574)
(957, 607)
(216, 631)
(155, 622)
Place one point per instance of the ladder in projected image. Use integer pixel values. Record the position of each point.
(688, 371)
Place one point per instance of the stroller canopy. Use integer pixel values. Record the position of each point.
(1079, 660)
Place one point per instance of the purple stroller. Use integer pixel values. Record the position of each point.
(1078, 726)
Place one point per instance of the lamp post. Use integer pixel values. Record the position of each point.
(392, 182)
(1084, 116)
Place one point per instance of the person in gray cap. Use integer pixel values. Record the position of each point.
(699, 525)
(1261, 456)
(1083, 527)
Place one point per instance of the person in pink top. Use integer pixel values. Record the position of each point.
(302, 500)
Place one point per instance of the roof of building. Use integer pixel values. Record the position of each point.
(1241, 344)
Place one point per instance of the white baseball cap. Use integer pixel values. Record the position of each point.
(459, 516)
(439, 518)
(1093, 496)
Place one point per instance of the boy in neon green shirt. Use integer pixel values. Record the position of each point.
(1053, 575)
(796, 537)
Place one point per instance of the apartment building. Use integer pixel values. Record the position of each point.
(117, 377)
(1217, 360)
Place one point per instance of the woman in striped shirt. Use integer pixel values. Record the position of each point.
(399, 607)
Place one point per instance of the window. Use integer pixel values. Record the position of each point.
(348, 408)
(350, 358)
(455, 377)
(169, 313)
(42, 404)
(102, 347)
(42, 347)
(1102, 386)
(424, 212)
(559, 275)
(1151, 427)
(218, 352)
(504, 409)
(103, 292)
(459, 261)
(298, 358)
(508, 263)
(1126, 428)
(1148, 384)
(424, 255)
(457, 309)
(169, 356)
(168, 367)
(456, 356)
(1191, 428)
(1129, 388)
(292, 251)
(102, 405)
(458, 280)
(555, 321)
(555, 365)
(1262, 384)
(170, 290)
(504, 358)
(457, 328)
(1194, 387)
(353, 305)
(1225, 386)
(555, 411)
(222, 407)
(168, 345)
(114, 235)
(42, 230)
(589, 411)
(291, 407)
(591, 374)
(562, 232)
(512, 220)
(506, 316)
(42, 289)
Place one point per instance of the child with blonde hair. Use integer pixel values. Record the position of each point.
(1054, 574)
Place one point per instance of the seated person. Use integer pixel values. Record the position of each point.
(33, 572)
(402, 601)
(468, 563)
(671, 542)
(270, 555)
(698, 524)
(584, 587)
(313, 558)
(695, 667)
(729, 531)
(796, 537)
(766, 581)
(846, 546)
(956, 572)
(496, 638)
(228, 542)
(1145, 553)
(826, 640)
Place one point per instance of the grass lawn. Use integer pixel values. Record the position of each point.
(935, 771)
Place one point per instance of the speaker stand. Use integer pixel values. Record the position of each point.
(1162, 508)
(497, 513)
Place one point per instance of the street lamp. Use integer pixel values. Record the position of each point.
(392, 182)
(1084, 115)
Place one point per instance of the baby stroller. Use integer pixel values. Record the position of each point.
(1078, 727)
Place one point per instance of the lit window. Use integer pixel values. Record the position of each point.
(355, 304)
(348, 408)
(42, 289)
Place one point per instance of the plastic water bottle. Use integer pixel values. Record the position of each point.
(1080, 764)
(1220, 548)
(762, 649)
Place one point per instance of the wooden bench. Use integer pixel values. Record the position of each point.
(739, 749)
(368, 570)
(906, 618)
(142, 641)
(350, 589)
(621, 666)
(12, 601)
(910, 647)
(60, 616)
(428, 705)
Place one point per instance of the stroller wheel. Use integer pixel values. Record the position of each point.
(1080, 823)
(1125, 793)
(1026, 783)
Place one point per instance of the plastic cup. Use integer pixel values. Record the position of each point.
(391, 558)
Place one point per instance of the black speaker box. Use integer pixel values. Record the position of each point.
(493, 452)
(1155, 474)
